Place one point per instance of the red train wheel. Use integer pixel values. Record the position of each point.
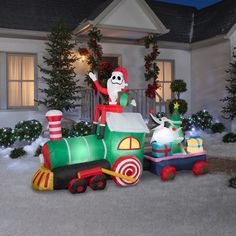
(200, 168)
(127, 165)
(168, 173)
(98, 182)
(77, 186)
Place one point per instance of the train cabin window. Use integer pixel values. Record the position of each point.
(129, 143)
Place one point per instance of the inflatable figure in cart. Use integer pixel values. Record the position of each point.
(75, 163)
(168, 154)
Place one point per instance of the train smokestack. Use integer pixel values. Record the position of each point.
(54, 119)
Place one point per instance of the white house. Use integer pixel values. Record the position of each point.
(195, 45)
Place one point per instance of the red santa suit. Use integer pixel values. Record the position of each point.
(115, 84)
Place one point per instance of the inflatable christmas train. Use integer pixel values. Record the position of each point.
(116, 147)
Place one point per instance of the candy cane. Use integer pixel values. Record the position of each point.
(129, 166)
(54, 119)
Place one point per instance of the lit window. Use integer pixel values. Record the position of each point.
(129, 143)
(165, 77)
(21, 81)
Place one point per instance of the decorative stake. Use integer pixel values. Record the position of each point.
(54, 119)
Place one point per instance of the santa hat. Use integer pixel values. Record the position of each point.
(123, 71)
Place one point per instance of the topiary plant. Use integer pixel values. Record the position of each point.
(178, 86)
(28, 130)
(17, 152)
(6, 137)
(229, 138)
(217, 128)
(182, 108)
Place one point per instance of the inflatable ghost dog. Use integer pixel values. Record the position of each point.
(168, 152)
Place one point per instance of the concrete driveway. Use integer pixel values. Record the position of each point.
(188, 206)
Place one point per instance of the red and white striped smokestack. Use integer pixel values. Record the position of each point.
(54, 119)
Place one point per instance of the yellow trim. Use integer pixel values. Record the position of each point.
(112, 173)
(38, 184)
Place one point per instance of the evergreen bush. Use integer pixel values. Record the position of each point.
(229, 138)
(17, 152)
(7, 137)
(28, 130)
(202, 120)
(217, 128)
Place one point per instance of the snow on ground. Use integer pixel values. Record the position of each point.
(215, 147)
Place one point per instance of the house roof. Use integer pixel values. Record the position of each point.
(214, 20)
(186, 24)
(126, 122)
(41, 15)
(177, 18)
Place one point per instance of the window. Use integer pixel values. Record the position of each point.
(21, 80)
(129, 143)
(165, 77)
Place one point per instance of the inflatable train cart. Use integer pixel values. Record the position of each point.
(74, 163)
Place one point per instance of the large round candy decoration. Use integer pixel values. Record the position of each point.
(127, 165)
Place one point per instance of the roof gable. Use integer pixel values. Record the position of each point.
(132, 14)
(126, 122)
(125, 19)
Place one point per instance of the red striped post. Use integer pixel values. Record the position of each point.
(54, 119)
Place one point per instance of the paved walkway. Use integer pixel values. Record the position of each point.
(188, 206)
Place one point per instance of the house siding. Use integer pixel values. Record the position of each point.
(208, 77)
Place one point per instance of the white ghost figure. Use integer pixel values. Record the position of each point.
(163, 135)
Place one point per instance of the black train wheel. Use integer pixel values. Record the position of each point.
(77, 186)
(98, 182)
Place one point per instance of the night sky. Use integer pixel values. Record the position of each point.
(196, 3)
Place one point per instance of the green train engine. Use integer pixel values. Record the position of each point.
(122, 148)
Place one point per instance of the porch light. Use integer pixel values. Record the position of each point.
(83, 54)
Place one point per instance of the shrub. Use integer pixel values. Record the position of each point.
(187, 124)
(202, 120)
(28, 130)
(229, 138)
(17, 152)
(178, 86)
(217, 128)
(81, 129)
(66, 132)
(6, 137)
(182, 108)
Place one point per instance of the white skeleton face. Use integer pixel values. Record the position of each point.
(117, 78)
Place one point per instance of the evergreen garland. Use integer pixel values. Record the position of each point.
(62, 88)
(229, 108)
(95, 55)
(151, 68)
(96, 63)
